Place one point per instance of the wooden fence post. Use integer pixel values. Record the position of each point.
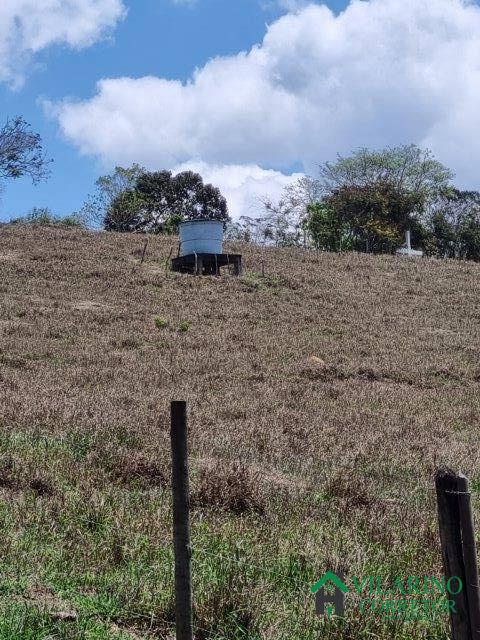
(459, 553)
(181, 521)
(145, 245)
(470, 556)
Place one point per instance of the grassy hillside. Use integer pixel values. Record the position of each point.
(322, 397)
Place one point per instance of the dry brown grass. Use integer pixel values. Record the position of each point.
(232, 487)
(350, 376)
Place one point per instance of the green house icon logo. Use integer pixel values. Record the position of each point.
(335, 601)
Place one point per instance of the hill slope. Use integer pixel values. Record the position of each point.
(321, 398)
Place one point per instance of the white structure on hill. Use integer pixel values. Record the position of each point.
(407, 249)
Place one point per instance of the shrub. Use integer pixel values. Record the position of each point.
(44, 217)
(255, 281)
(184, 326)
(161, 323)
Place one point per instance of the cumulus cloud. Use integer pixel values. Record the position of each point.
(381, 72)
(244, 186)
(28, 26)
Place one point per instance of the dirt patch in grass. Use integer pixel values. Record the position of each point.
(10, 256)
(87, 305)
(46, 599)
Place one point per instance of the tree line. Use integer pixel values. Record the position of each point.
(362, 202)
(367, 201)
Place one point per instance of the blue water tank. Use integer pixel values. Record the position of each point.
(201, 236)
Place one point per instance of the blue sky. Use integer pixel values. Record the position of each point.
(156, 38)
(383, 72)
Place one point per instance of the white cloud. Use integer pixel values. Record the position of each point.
(244, 186)
(28, 26)
(382, 72)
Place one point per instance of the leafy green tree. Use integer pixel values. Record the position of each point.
(443, 236)
(172, 198)
(408, 169)
(325, 228)
(469, 236)
(454, 225)
(107, 199)
(155, 202)
(374, 217)
(127, 212)
(412, 174)
(170, 227)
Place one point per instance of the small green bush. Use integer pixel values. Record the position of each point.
(161, 323)
(184, 326)
(42, 216)
(255, 281)
(252, 280)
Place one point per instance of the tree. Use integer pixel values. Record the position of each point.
(133, 199)
(407, 168)
(247, 229)
(454, 225)
(181, 197)
(370, 198)
(159, 201)
(126, 212)
(412, 175)
(469, 236)
(21, 152)
(107, 198)
(239, 231)
(327, 231)
(284, 223)
(374, 216)
(280, 224)
(299, 196)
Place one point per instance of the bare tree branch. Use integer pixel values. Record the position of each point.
(21, 152)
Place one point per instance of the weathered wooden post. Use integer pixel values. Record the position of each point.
(144, 252)
(181, 521)
(459, 553)
(472, 584)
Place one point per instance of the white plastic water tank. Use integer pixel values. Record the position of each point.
(201, 236)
